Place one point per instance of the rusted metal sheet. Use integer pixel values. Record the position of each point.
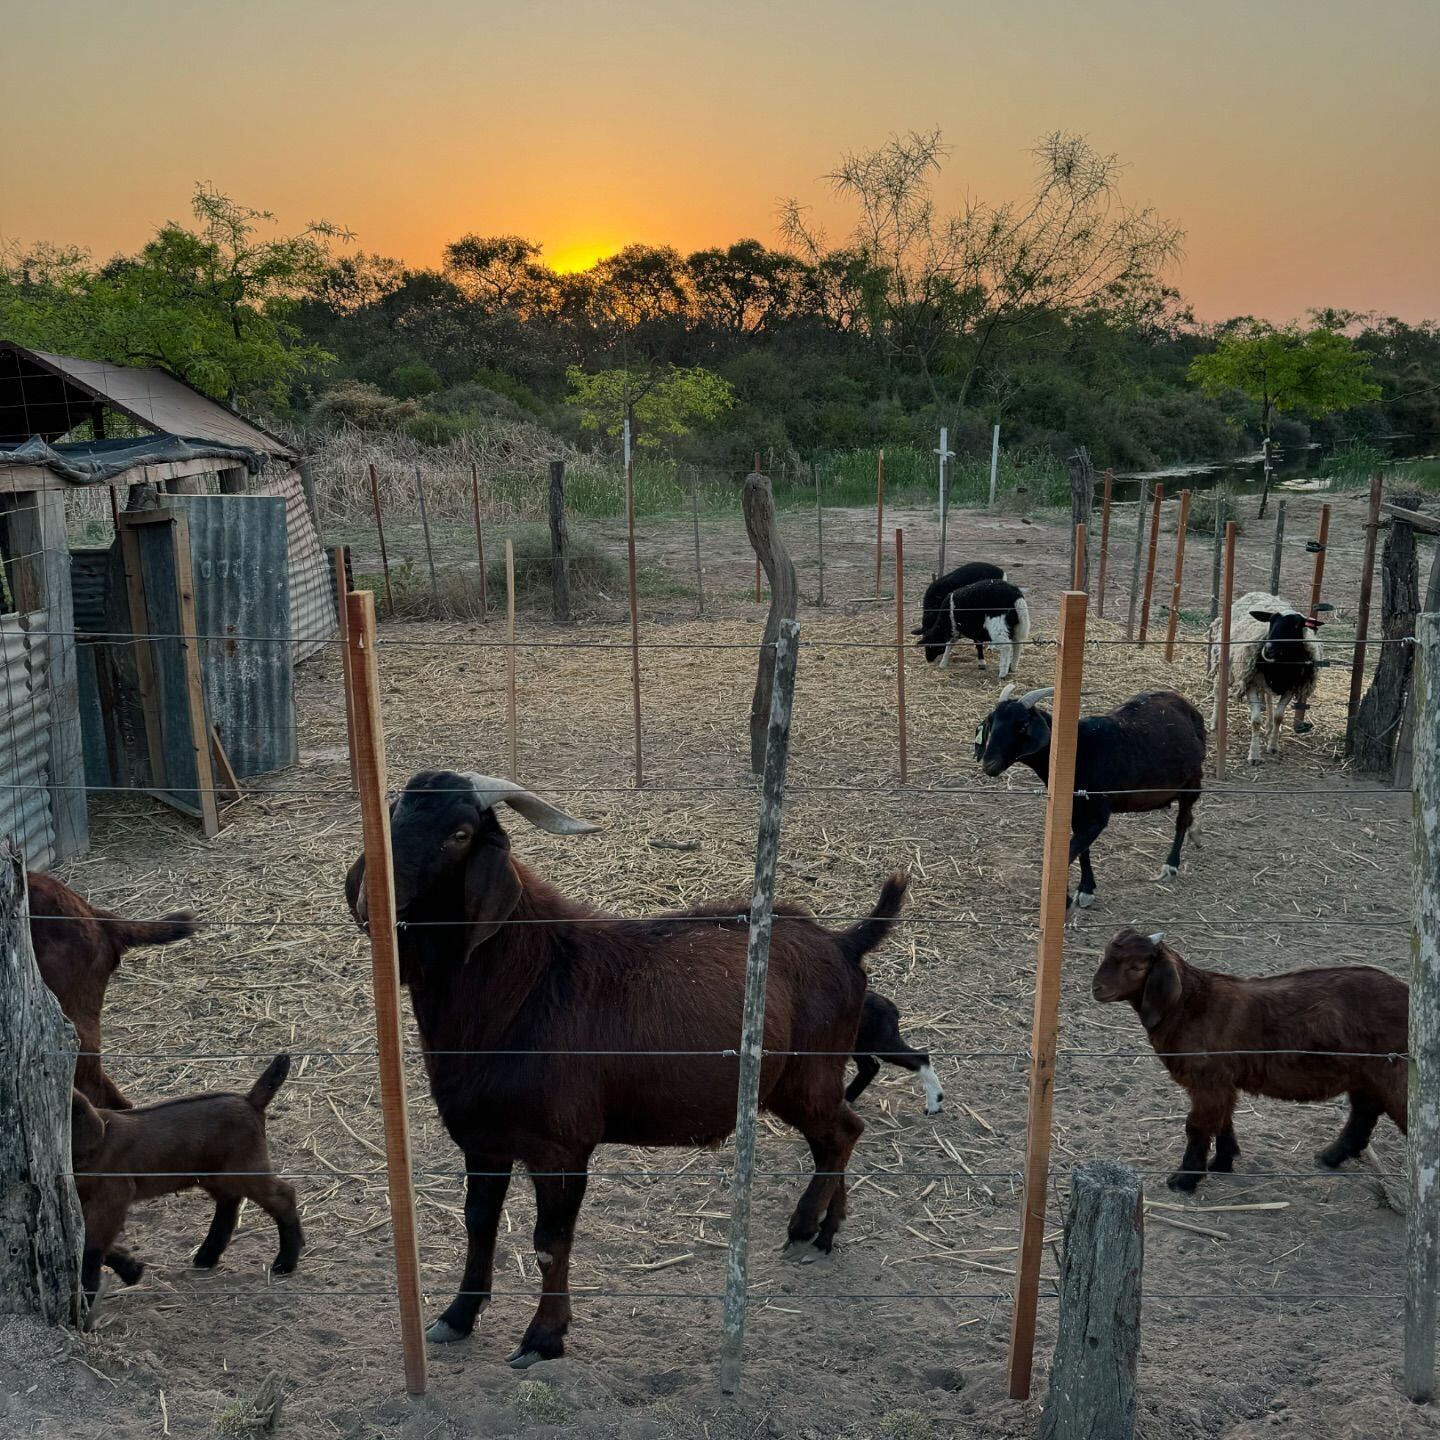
(312, 585)
(25, 798)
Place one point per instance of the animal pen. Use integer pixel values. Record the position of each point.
(954, 1220)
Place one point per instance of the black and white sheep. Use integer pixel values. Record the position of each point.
(1274, 661)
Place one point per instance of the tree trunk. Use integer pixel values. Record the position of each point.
(764, 533)
(40, 1221)
(559, 541)
(1092, 1383)
(1377, 720)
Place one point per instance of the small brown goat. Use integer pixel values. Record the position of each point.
(549, 1028)
(78, 948)
(1330, 1032)
(215, 1140)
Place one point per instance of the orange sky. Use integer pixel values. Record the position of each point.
(1295, 140)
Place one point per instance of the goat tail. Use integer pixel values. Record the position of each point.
(860, 939)
(179, 926)
(1022, 617)
(262, 1092)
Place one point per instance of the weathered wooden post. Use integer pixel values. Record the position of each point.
(784, 651)
(1277, 547)
(1318, 547)
(1155, 510)
(900, 649)
(43, 1231)
(879, 519)
(1077, 558)
(1180, 532)
(994, 464)
(1082, 502)
(634, 613)
(1362, 612)
(819, 531)
(1135, 568)
(1220, 508)
(512, 726)
(1379, 715)
(342, 616)
(1097, 1349)
(429, 550)
(759, 506)
(1055, 867)
(1222, 671)
(479, 536)
(946, 455)
(559, 543)
(695, 518)
(1104, 542)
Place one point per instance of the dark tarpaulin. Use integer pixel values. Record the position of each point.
(92, 462)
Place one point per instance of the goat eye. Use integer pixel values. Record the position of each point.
(461, 835)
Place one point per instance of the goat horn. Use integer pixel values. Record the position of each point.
(490, 791)
(1036, 696)
(1005, 694)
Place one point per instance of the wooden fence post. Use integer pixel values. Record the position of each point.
(1077, 558)
(757, 965)
(900, 648)
(479, 537)
(429, 550)
(1220, 509)
(634, 620)
(1139, 551)
(45, 1232)
(1155, 510)
(1320, 545)
(819, 530)
(994, 464)
(1362, 612)
(380, 899)
(1097, 1349)
(342, 612)
(1054, 879)
(1104, 542)
(1422, 1214)
(511, 707)
(1277, 547)
(695, 517)
(879, 519)
(1180, 533)
(559, 542)
(1379, 718)
(946, 454)
(758, 505)
(380, 531)
(1222, 672)
(1082, 501)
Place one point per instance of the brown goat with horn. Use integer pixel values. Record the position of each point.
(1304, 1035)
(550, 1029)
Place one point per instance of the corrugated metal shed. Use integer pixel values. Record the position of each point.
(25, 801)
(312, 583)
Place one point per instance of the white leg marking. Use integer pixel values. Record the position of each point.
(934, 1095)
(1085, 899)
(945, 658)
(1257, 723)
(1168, 872)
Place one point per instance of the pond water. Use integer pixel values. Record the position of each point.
(1295, 467)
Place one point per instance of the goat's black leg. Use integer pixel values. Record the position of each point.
(557, 1205)
(125, 1265)
(90, 1262)
(822, 1207)
(1365, 1111)
(222, 1227)
(980, 655)
(1227, 1150)
(867, 1067)
(1088, 820)
(1210, 1114)
(487, 1180)
(1184, 818)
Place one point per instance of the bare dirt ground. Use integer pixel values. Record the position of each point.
(1283, 1322)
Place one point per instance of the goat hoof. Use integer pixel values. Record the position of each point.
(532, 1353)
(206, 1262)
(284, 1267)
(1332, 1158)
(1085, 899)
(1168, 872)
(442, 1332)
(1183, 1182)
(938, 1106)
(1304, 727)
(800, 1251)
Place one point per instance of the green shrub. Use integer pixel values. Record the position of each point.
(365, 406)
(415, 379)
(1203, 504)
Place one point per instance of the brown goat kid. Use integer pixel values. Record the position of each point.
(215, 1140)
(549, 1029)
(78, 948)
(1341, 1031)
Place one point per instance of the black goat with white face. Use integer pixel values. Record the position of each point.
(1146, 754)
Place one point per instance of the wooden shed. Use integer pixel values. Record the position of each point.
(162, 657)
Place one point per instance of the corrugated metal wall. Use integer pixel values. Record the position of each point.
(312, 584)
(25, 812)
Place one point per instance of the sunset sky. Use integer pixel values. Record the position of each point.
(1295, 140)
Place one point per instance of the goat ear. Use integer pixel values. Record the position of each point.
(1162, 990)
(492, 890)
(87, 1126)
(1263, 616)
(355, 893)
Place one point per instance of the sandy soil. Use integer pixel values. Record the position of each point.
(1283, 1322)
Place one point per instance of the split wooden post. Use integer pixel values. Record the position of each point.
(1180, 533)
(194, 680)
(634, 618)
(758, 504)
(1220, 508)
(900, 648)
(1077, 559)
(511, 706)
(1135, 568)
(1097, 1349)
(380, 531)
(1222, 671)
(1321, 544)
(1422, 1215)
(752, 1032)
(342, 614)
(819, 530)
(380, 902)
(695, 517)
(1362, 611)
(479, 536)
(559, 544)
(994, 463)
(1277, 546)
(1155, 510)
(1104, 542)
(429, 551)
(1055, 871)
(879, 519)
(1383, 722)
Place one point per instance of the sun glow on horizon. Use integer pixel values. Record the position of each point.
(572, 258)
